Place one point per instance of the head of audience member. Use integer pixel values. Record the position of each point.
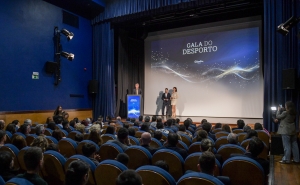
(131, 132)
(89, 150)
(182, 128)
(11, 128)
(80, 127)
(255, 146)
(95, 136)
(218, 125)
(159, 120)
(88, 120)
(187, 123)
(123, 135)
(258, 126)
(19, 141)
(53, 147)
(132, 120)
(251, 133)
(246, 128)
(232, 138)
(85, 123)
(48, 120)
(140, 118)
(129, 177)
(58, 120)
(72, 123)
(206, 126)
(240, 124)
(110, 130)
(159, 125)
(28, 121)
(206, 145)
(57, 134)
(154, 118)
(147, 119)
(169, 122)
(2, 124)
(77, 173)
(145, 138)
(100, 119)
(172, 139)
(123, 158)
(177, 120)
(33, 158)
(162, 164)
(108, 118)
(201, 134)
(65, 125)
(126, 125)
(16, 122)
(157, 135)
(136, 124)
(25, 129)
(40, 142)
(39, 129)
(2, 137)
(207, 163)
(203, 121)
(78, 137)
(145, 127)
(51, 125)
(6, 162)
(76, 120)
(226, 128)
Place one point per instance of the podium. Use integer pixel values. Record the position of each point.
(134, 105)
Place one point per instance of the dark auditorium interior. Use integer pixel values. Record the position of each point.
(99, 104)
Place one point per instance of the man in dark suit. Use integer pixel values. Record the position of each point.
(166, 97)
(137, 90)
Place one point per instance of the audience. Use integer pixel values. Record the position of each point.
(246, 128)
(207, 127)
(172, 144)
(11, 128)
(17, 123)
(96, 126)
(232, 138)
(78, 138)
(94, 136)
(123, 158)
(170, 126)
(201, 134)
(122, 139)
(51, 125)
(66, 126)
(160, 127)
(126, 125)
(25, 129)
(80, 127)
(39, 129)
(2, 137)
(145, 141)
(40, 142)
(140, 120)
(226, 128)
(147, 121)
(53, 147)
(33, 158)
(19, 141)
(77, 173)
(129, 177)
(218, 125)
(240, 124)
(187, 124)
(2, 124)
(145, 128)
(89, 150)
(162, 164)
(57, 134)
(131, 132)
(6, 166)
(251, 133)
(110, 130)
(207, 145)
(182, 130)
(158, 135)
(153, 121)
(28, 121)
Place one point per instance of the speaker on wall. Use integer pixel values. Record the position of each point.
(51, 67)
(289, 78)
(93, 86)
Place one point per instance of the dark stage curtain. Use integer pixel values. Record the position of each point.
(280, 52)
(103, 70)
(130, 68)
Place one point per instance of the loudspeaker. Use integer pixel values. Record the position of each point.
(288, 78)
(93, 86)
(276, 145)
(51, 67)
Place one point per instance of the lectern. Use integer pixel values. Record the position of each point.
(134, 106)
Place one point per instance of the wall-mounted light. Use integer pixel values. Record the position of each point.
(67, 33)
(69, 56)
(284, 28)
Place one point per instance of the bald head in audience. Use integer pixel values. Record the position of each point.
(145, 138)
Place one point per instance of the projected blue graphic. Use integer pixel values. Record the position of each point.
(133, 106)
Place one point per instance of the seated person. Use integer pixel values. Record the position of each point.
(158, 135)
(51, 126)
(171, 144)
(78, 138)
(40, 142)
(226, 128)
(240, 124)
(2, 124)
(147, 121)
(207, 127)
(207, 145)
(110, 130)
(59, 120)
(246, 128)
(6, 166)
(162, 164)
(80, 127)
(169, 125)
(53, 147)
(33, 159)
(201, 134)
(144, 128)
(145, 141)
(39, 129)
(11, 128)
(122, 139)
(95, 137)
(140, 120)
(126, 125)
(187, 123)
(2, 137)
(251, 133)
(129, 177)
(66, 126)
(89, 151)
(232, 138)
(123, 158)
(77, 173)
(153, 121)
(217, 126)
(259, 126)
(25, 129)
(57, 134)
(18, 141)
(131, 132)
(160, 127)
(182, 130)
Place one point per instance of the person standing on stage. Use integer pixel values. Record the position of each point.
(174, 98)
(287, 129)
(166, 97)
(137, 90)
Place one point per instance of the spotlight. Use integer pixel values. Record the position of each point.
(69, 35)
(69, 56)
(284, 28)
(273, 108)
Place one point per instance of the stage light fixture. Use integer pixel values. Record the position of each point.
(67, 33)
(273, 108)
(284, 28)
(69, 56)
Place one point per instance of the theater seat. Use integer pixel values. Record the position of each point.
(29, 139)
(19, 133)
(195, 147)
(220, 134)
(237, 131)
(217, 130)
(264, 137)
(53, 170)
(8, 137)
(72, 134)
(48, 132)
(221, 141)
(138, 156)
(18, 181)
(109, 151)
(86, 136)
(153, 175)
(51, 139)
(21, 158)
(67, 147)
(80, 145)
(155, 143)
(64, 133)
(107, 172)
(164, 136)
(107, 137)
(186, 139)
(92, 165)
(182, 145)
(133, 140)
(173, 159)
(241, 136)
(226, 150)
(245, 143)
(243, 170)
(14, 152)
(196, 178)
(138, 134)
(2, 182)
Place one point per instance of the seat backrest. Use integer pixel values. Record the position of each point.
(135, 128)
(29, 139)
(164, 136)
(182, 145)
(14, 152)
(72, 134)
(221, 141)
(18, 181)
(186, 139)
(195, 147)
(133, 140)
(67, 147)
(2, 182)
(109, 151)
(139, 156)
(8, 133)
(80, 145)
(173, 159)
(19, 133)
(228, 149)
(8, 137)
(220, 134)
(217, 130)
(53, 170)
(245, 143)
(108, 171)
(138, 134)
(154, 175)
(107, 137)
(155, 143)
(238, 169)
(264, 137)
(241, 136)
(48, 132)
(264, 154)
(64, 133)
(237, 131)
(86, 136)
(198, 178)
(21, 158)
